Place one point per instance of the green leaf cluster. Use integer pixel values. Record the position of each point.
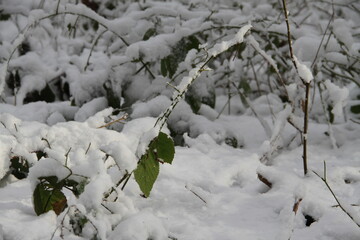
(194, 99)
(170, 63)
(19, 167)
(48, 194)
(160, 150)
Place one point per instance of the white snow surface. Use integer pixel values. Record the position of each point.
(216, 186)
(210, 192)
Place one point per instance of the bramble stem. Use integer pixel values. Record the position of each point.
(307, 90)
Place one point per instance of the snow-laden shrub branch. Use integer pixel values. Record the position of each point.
(194, 73)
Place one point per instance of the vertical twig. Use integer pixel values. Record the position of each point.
(67, 157)
(307, 89)
(331, 131)
(229, 96)
(57, 7)
(306, 121)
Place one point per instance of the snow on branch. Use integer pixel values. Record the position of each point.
(225, 45)
(194, 73)
(303, 71)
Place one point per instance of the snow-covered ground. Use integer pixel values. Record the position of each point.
(210, 191)
(86, 87)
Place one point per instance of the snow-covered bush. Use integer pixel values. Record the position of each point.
(180, 67)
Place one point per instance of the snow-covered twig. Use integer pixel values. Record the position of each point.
(194, 73)
(268, 58)
(306, 77)
(115, 121)
(331, 131)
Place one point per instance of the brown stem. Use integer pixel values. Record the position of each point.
(306, 121)
(307, 90)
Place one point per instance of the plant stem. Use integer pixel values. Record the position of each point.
(307, 90)
(306, 121)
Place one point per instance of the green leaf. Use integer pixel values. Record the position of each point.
(210, 98)
(53, 181)
(47, 94)
(355, 109)
(40, 154)
(331, 115)
(164, 67)
(47, 197)
(110, 6)
(193, 100)
(165, 148)
(245, 85)
(231, 141)
(78, 221)
(170, 63)
(147, 172)
(149, 33)
(113, 99)
(76, 187)
(19, 167)
(4, 16)
(191, 42)
(161, 149)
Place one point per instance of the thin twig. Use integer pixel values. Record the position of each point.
(44, 139)
(126, 181)
(102, 204)
(88, 148)
(57, 7)
(92, 49)
(323, 37)
(335, 197)
(102, 24)
(341, 75)
(192, 191)
(61, 224)
(354, 121)
(124, 117)
(67, 156)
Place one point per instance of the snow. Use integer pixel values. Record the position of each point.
(225, 177)
(338, 97)
(140, 226)
(303, 71)
(224, 45)
(89, 109)
(237, 171)
(342, 31)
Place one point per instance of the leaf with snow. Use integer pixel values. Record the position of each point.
(160, 150)
(48, 196)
